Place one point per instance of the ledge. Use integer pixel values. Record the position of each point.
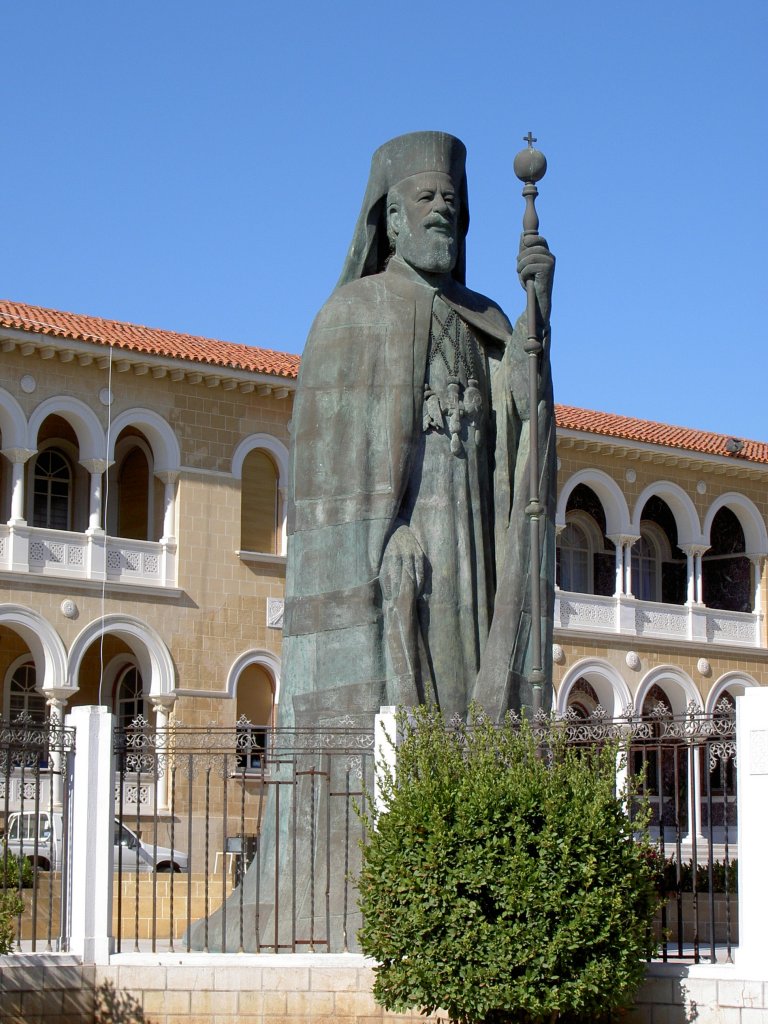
(261, 558)
(45, 581)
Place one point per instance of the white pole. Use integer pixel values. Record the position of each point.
(92, 835)
(385, 752)
(752, 800)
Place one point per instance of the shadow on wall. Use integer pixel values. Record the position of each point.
(113, 1007)
(684, 1009)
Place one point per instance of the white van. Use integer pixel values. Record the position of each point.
(136, 854)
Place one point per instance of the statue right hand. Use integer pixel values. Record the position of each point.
(402, 565)
(535, 262)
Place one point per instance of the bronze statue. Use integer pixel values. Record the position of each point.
(409, 521)
(408, 540)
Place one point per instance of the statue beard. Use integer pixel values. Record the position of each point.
(433, 252)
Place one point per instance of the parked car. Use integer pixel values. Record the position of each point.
(136, 854)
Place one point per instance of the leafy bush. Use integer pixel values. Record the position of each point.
(501, 884)
(11, 905)
(10, 865)
(682, 880)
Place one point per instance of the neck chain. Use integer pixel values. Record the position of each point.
(447, 345)
(450, 335)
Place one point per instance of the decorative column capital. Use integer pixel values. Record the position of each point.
(162, 701)
(95, 466)
(623, 539)
(18, 456)
(694, 549)
(59, 694)
(167, 476)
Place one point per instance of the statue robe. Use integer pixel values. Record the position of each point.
(357, 426)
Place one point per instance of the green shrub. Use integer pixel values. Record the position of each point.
(500, 884)
(10, 865)
(681, 880)
(11, 905)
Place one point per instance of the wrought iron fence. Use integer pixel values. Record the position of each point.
(243, 838)
(227, 847)
(35, 773)
(237, 838)
(685, 767)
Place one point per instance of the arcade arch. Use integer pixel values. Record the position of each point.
(605, 681)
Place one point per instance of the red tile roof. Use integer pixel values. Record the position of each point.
(627, 428)
(147, 340)
(156, 342)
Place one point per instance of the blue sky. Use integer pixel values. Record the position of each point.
(200, 166)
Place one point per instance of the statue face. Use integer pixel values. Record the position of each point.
(423, 217)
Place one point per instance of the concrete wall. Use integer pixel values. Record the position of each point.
(317, 989)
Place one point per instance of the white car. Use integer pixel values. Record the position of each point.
(134, 852)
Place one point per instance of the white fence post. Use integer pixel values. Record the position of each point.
(385, 751)
(752, 794)
(93, 811)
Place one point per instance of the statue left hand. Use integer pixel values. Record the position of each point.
(534, 260)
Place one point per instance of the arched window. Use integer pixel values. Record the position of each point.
(255, 702)
(52, 490)
(129, 697)
(585, 556)
(23, 696)
(575, 560)
(726, 571)
(259, 504)
(133, 484)
(582, 699)
(661, 761)
(648, 554)
(717, 769)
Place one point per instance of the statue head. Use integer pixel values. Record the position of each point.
(409, 174)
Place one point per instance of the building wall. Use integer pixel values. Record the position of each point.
(703, 480)
(219, 610)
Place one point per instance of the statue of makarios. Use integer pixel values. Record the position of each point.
(408, 550)
(408, 547)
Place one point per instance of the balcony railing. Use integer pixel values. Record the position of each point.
(87, 556)
(629, 617)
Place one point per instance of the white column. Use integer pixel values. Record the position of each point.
(18, 458)
(697, 576)
(627, 544)
(619, 570)
(694, 796)
(282, 498)
(690, 579)
(97, 468)
(169, 478)
(623, 563)
(625, 610)
(56, 719)
(559, 527)
(622, 770)
(752, 800)
(385, 751)
(92, 832)
(162, 705)
(757, 577)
